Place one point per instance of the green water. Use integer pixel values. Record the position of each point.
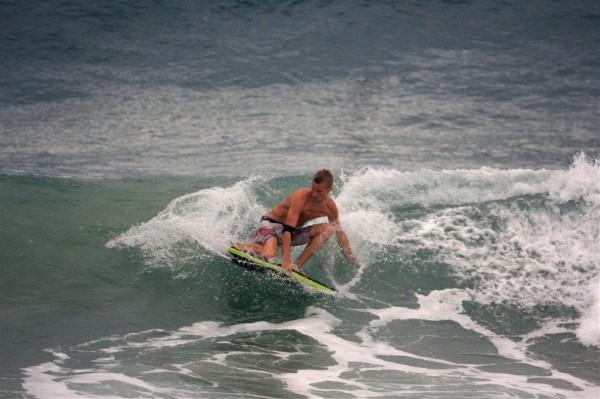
(97, 271)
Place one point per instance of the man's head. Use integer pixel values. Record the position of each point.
(322, 183)
(324, 177)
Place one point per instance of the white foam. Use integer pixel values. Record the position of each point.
(50, 380)
(351, 358)
(538, 256)
(447, 305)
(210, 218)
(39, 382)
(588, 331)
(580, 181)
(543, 248)
(383, 190)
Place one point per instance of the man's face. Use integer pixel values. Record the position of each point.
(319, 191)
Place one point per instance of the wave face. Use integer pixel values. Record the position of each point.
(480, 282)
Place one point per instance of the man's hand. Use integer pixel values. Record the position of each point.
(352, 260)
(344, 243)
(288, 266)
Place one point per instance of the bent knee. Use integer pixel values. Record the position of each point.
(324, 230)
(270, 254)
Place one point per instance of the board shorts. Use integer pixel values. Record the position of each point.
(268, 227)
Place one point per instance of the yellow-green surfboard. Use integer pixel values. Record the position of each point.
(250, 262)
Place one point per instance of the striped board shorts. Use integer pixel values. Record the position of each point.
(268, 227)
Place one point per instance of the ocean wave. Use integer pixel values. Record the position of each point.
(523, 237)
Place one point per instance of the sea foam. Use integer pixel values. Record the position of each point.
(203, 222)
(588, 332)
(528, 237)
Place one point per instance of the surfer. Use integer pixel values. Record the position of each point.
(284, 225)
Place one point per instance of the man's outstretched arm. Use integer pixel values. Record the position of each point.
(344, 243)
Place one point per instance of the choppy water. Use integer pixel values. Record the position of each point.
(138, 140)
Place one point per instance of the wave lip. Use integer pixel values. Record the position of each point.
(205, 221)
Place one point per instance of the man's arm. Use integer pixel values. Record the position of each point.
(341, 237)
(293, 214)
(344, 243)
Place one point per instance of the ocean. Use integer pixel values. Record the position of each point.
(139, 139)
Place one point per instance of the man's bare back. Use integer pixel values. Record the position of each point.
(311, 208)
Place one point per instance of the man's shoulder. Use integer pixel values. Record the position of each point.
(332, 205)
(300, 193)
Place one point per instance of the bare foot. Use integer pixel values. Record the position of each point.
(255, 248)
(292, 267)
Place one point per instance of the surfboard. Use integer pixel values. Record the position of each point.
(250, 262)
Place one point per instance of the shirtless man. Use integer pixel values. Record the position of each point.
(282, 225)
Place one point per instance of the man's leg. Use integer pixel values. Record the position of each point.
(267, 250)
(319, 234)
(270, 249)
(250, 247)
